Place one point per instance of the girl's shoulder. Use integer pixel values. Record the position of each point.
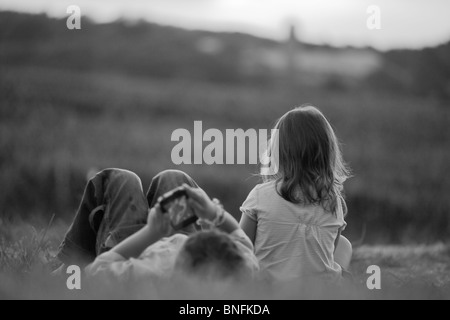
(265, 188)
(260, 194)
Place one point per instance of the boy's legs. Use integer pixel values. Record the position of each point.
(113, 207)
(165, 182)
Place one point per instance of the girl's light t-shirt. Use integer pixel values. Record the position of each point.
(293, 241)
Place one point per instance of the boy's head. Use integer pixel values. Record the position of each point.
(211, 255)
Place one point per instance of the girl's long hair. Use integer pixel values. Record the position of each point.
(310, 167)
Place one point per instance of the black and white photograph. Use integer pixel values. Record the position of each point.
(208, 153)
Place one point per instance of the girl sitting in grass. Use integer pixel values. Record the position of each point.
(295, 218)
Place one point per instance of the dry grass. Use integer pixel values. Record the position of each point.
(403, 265)
(408, 272)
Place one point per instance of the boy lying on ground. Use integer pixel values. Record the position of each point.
(115, 233)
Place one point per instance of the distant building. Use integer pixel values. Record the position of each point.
(309, 64)
(292, 52)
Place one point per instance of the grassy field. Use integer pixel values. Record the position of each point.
(72, 103)
(56, 126)
(407, 272)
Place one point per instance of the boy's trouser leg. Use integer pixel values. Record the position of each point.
(113, 207)
(165, 182)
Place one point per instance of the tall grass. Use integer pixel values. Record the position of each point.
(56, 125)
(27, 257)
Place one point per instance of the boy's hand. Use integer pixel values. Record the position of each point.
(200, 202)
(159, 223)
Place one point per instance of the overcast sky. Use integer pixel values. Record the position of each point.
(405, 23)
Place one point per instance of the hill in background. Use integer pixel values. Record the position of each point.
(165, 52)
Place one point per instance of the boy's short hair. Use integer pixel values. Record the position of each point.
(211, 254)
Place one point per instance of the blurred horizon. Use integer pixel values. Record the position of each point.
(337, 23)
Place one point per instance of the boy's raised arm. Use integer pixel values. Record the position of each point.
(158, 227)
